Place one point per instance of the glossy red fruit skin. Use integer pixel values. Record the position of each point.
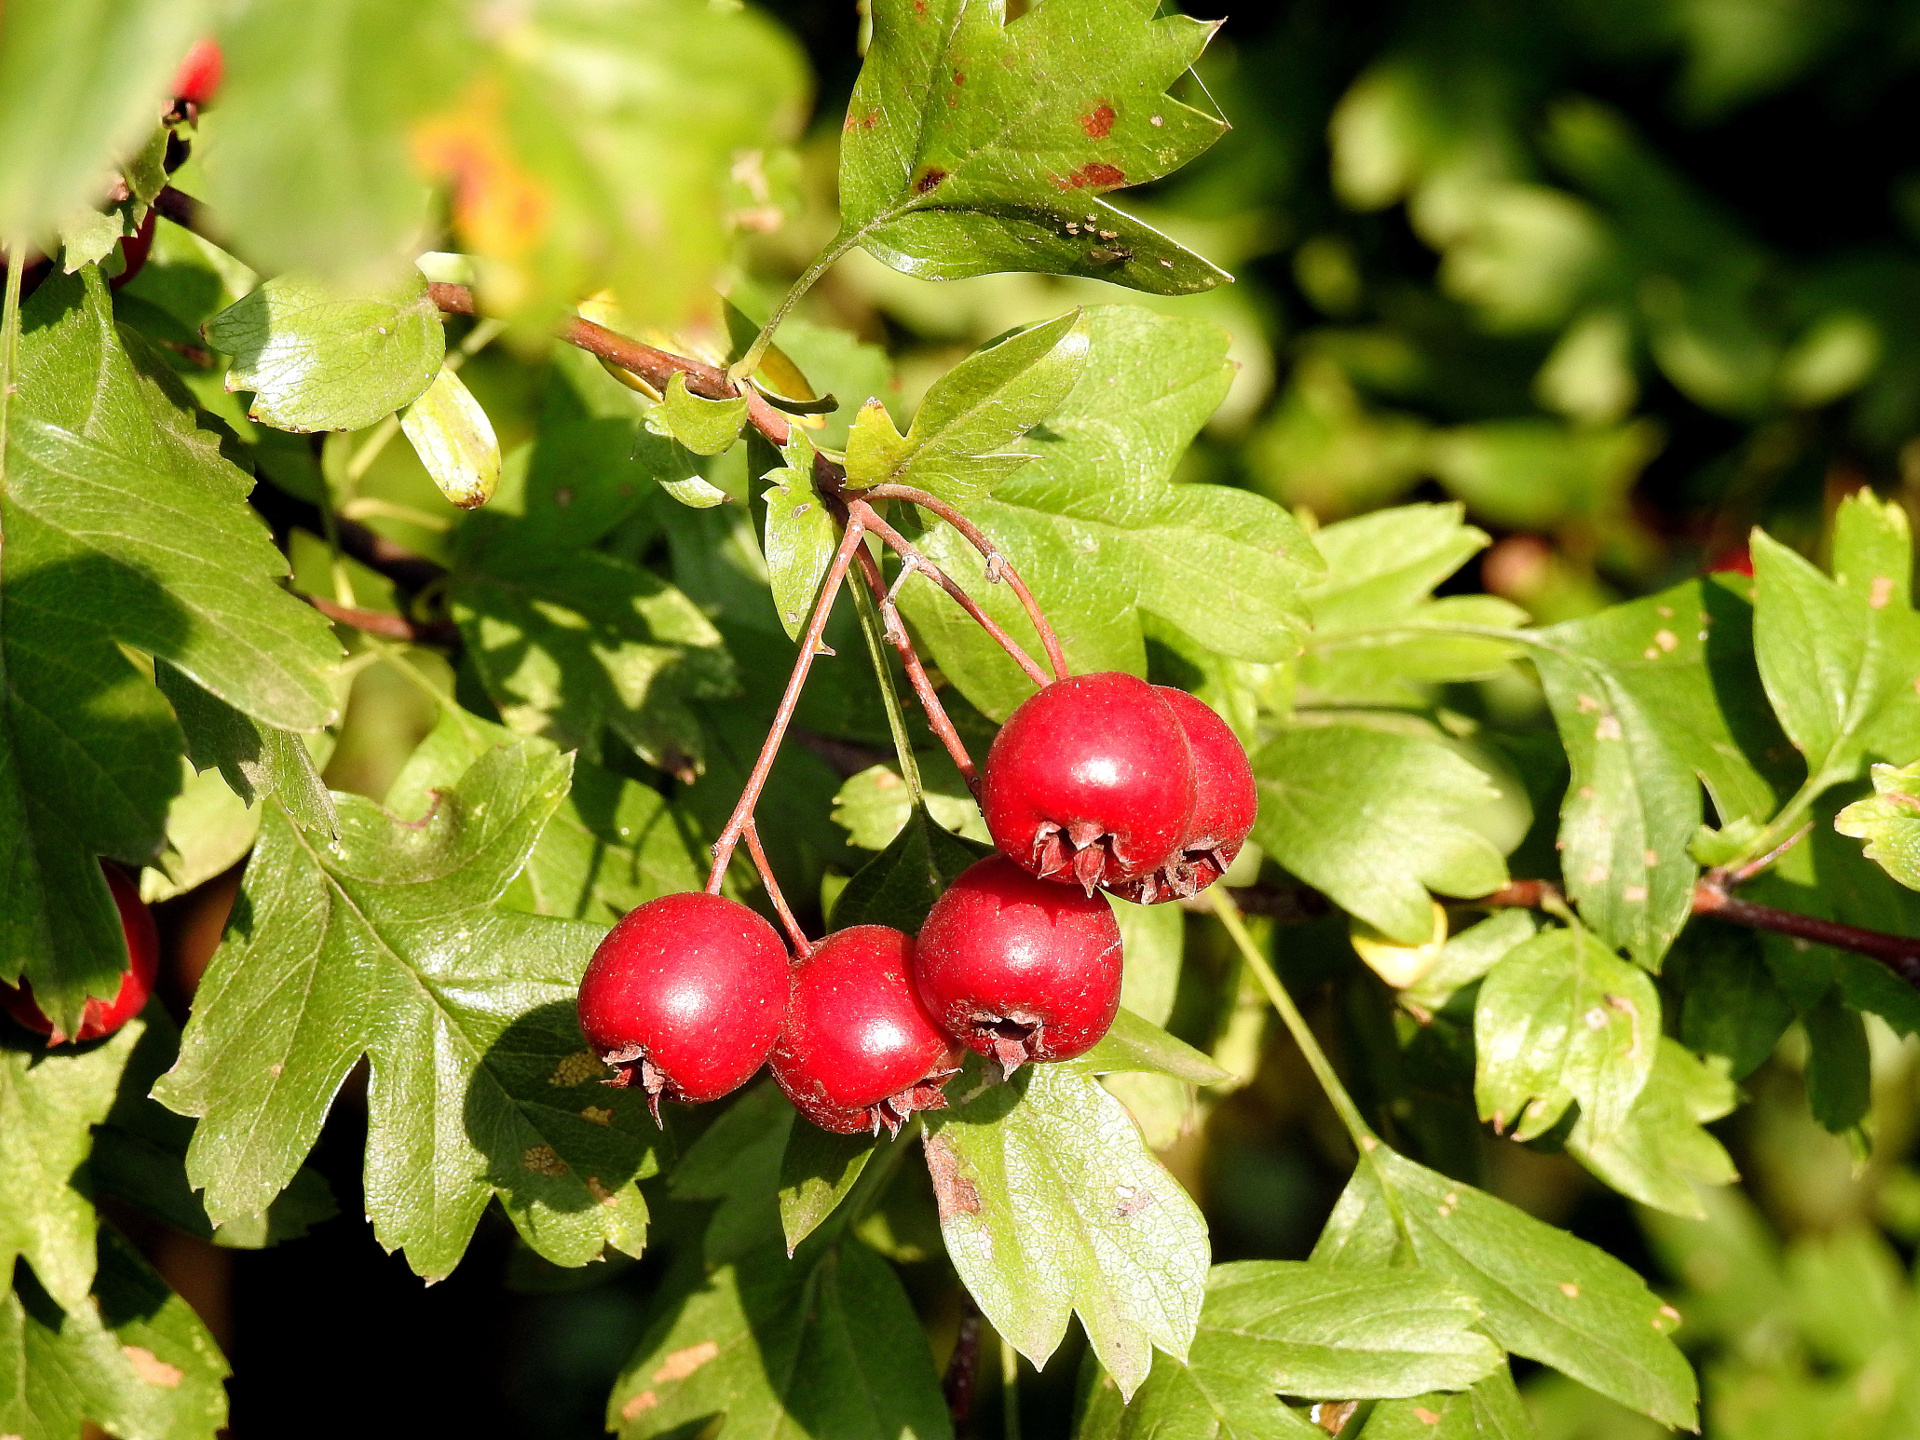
(133, 250)
(1019, 968)
(857, 1049)
(198, 77)
(103, 1017)
(1225, 803)
(684, 997)
(1736, 560)
(1090, 781)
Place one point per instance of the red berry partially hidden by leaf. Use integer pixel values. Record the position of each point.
(1735, 558)
(103, 1017)
(1019, 969)
(133, 250)
(1224, 805)
(1090, 781)
(198, 77)
(857, 1050)
(684, 997)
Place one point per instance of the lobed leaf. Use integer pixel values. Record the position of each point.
(801, 537)
(1050, 1204)
(874, 805)
(390, 942)
(1373, 819)
(1543, 1293)
(1889, 821)
(254, 760)
(972, 145)
(317, 357)
(1657, 1152)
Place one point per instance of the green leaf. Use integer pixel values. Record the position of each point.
(255, 760)
(801, 536)
(389, 942)
(49, 1100)
(320, 358)
(134, 1358)
(209, 829)
(1274, 1327)
(1372, 819)
(706, 427)
(875, 448)
(1468, 956)
(571, 643)
(874, 805)
(824, 1346)
(1381, 571)
(1050, 1204)
(1889, 822)
(613, 844)
(972, 146)
(1652, 698)
(817, 1170)
(899, 885)
(1658, 1149)
(80, 86)
(1139, 1046)
(1840, 656)
(1730, 1004)
(1544, 1294)
(1153, 940)
(454, 440)
(1839, 1064)
(1562, 1019)
(737, 1161)
(122, 524)
(1103, 540)
(958, 445)
(1488, 1410)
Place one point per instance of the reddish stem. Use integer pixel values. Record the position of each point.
(937, 718)
(742, 816)
(998, 566)
(801, 944)
(911, 555)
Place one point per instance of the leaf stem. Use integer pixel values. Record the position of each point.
(998, 566)
(823, 262)
(810, 645)
(9, 352)
(1009, 1389)
(1229, 914)
(870, 627)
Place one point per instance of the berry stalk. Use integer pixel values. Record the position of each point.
(896, 633)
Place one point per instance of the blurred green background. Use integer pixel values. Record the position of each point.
(1626, 278)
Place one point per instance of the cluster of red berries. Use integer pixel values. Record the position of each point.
(1100, 781)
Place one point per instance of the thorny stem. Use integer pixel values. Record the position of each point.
(809, 646)
(937, 718)
(870, 627)
(801, 944)
(998, 566)
(911, 555)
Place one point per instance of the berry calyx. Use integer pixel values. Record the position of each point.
(102, 1017)
(1018, 968)
(198, 77)
(1090, 781)
(1225, 803)
(857, 1049)
(684, 997)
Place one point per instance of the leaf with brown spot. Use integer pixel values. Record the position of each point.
(971, 145)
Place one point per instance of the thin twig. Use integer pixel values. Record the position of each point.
(388, 627)
(937, 718)
(963, 1370)
(801, 944)
(998, 566)
(809, 646)
(911, 553)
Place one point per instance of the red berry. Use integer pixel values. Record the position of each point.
(857, 1050)
(687, 992)
(1091, 780)
(103, 1017)
(198, 77)
(1224, 805)
(133, 250)
(1735, 558)
(1018, 968)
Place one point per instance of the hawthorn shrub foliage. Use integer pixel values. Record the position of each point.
(188, 588)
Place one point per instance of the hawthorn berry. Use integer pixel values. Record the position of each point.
(684, 997)
(1224, 805)
(1019, 968)
(102, 1017)
(1090, 781)
(198, 77)
(857, 1049)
